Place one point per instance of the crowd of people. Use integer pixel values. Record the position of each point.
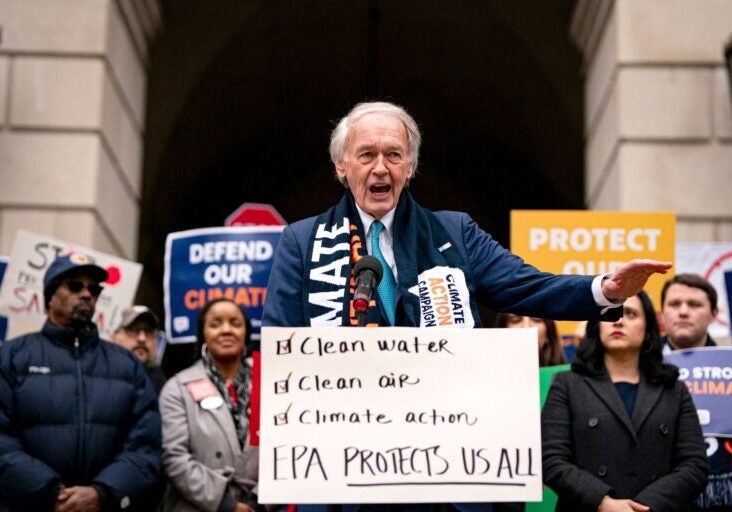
(82, 428)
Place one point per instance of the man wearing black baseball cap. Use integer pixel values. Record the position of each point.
(75, 300)
(79, 422)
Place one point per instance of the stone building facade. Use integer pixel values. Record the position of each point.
(72, 111)
(657, 110)
(73, 76)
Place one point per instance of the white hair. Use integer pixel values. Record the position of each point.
(339, 136)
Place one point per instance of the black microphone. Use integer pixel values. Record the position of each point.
(368, 273)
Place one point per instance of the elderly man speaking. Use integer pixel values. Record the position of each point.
(375, 150)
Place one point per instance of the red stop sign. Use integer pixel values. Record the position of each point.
(255, 214)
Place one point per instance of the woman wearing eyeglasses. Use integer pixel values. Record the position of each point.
(205, 415)
(620, 432)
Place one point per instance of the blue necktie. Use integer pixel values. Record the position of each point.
(388, 284)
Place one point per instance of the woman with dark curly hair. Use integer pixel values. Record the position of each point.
(551, 351)
(620, 432)
(205, 415)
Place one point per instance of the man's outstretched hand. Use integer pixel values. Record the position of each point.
(631, 277)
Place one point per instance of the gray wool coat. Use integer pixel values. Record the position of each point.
(592, 447)
(201, 454)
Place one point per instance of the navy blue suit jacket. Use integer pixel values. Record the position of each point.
(498, 279)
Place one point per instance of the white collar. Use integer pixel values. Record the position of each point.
(367, 219)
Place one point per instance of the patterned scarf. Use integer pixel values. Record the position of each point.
(425, 254)
(242, 384)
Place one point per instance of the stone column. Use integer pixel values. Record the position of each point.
(72, 112)
(658, 123)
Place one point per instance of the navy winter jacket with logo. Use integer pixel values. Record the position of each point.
(75, 410)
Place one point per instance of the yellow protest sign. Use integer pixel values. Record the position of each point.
(593, 242)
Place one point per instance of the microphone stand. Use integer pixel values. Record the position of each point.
(368, 273)
(361, 316)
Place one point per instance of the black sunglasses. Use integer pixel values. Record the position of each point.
(75, 286)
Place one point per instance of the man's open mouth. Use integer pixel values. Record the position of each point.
(379, 189)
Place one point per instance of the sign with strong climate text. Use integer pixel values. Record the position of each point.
(707, 373)
(399, 415)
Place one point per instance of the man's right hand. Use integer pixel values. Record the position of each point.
(630, 278)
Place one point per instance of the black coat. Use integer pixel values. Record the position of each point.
(592, 448)
(75, 410)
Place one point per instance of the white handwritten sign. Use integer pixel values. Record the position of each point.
(399, 415)
(21, 295)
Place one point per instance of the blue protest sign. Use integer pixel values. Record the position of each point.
(208, 263)
(707, 372)
(3, 319)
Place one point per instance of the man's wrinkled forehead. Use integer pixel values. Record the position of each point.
(386, 146)
(377, 124)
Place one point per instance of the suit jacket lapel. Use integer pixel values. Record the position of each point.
(221, 414)
(606, 392)
(404, 244)
(648, 396)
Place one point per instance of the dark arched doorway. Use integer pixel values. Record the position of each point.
(243, 96)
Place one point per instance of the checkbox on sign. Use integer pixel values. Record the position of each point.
(283, 386)
(284, 346)
(281, 418)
